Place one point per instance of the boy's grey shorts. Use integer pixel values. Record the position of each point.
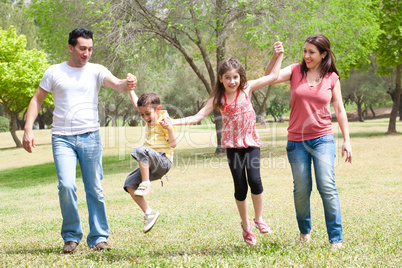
(158, 163)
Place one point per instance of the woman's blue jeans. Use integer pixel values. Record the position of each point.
(320, 151)
(87, 149)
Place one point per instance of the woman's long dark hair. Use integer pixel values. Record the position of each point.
(328, 63)
(224, 66)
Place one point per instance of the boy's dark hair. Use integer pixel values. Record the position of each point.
(79, 32)
(147, 99)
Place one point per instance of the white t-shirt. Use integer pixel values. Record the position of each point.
(75, 96)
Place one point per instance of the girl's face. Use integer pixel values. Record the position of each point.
(230, 80)
(312, 56)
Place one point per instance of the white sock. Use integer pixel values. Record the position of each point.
(149, 210)
(147, 182)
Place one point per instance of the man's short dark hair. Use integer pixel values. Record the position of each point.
(79, 32)
(148, 99)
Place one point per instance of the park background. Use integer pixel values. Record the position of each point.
(173, 48)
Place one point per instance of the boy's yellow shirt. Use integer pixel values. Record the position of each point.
(156, 137)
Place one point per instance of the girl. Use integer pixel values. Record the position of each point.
(232, 96)
(313, 85)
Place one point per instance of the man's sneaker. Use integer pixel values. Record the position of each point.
(149, 220)
(70, 247)
(144, 189)
(102, 246)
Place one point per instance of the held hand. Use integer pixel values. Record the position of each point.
(28, 141)
(131, 81)
(166, 122)
(278, 48)
(347, 150)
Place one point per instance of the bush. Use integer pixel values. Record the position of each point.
(4, 124)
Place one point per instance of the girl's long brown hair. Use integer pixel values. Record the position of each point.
(224, 66)
(328, 63)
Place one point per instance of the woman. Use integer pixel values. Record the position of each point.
(314, 84)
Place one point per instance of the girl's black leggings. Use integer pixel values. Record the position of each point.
(241, 162)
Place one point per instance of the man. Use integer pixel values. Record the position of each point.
(75, 136)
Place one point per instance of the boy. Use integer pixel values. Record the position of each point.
(154, 157)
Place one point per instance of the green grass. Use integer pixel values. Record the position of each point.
(199, 224)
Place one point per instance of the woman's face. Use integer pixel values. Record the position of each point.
(312, 56)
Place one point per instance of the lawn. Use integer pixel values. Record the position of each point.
(199, 224)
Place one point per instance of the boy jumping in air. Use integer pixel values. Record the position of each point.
(154, 157)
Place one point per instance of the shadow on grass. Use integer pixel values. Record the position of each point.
(164, 255)
(36, 251)
(8, 148)
(20, 148)
(362, 134)
(30, 176)
(118, 255)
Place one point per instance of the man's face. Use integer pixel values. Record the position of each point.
(81, 52)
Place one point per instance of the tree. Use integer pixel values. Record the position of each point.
(202, 30)
(352, 29)
(279, 102)
(365, 89)
(14, 15)
(20, 73)
(198, 30)
(389, 51)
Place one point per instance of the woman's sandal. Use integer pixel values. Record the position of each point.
(248, 236)
(263, 227)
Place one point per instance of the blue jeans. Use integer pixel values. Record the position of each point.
(322, 152)
(87, 149)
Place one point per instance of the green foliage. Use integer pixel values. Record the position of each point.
(365, 89)
(4, 124)
(56, 19)
(279, 102)
(351, 28)
(389, 51)
(16, 15)
(20, 71)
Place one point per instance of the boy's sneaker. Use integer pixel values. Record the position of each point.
(144, 189)
(149, 220)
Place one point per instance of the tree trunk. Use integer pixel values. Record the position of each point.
(220, 55)
(360, 111)
(393, 94)
(13, 130)
(261, 116)
(400, 110)
(275, 119)
(395, 107)
(41, 121)
(359, 102)
(372, 111)
(218, 126)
